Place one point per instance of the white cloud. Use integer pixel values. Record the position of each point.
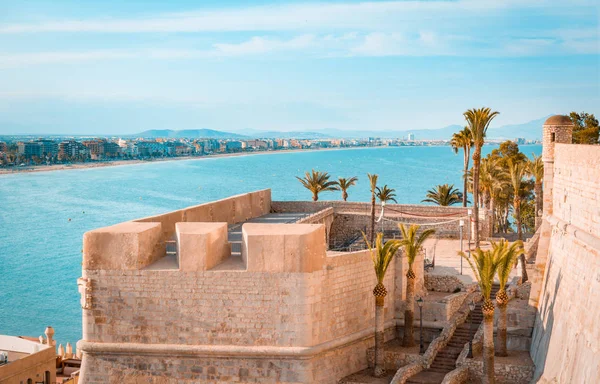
(289, 17)
(261, 45)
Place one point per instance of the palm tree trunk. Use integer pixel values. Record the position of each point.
(379, 340)
(501, 336)
(466, 163)
(538, 204)
(517, 205)
(476, 161)
(493, 209)
(409, 312)
(315, 196)
(345, 195)
(524, 276)
(372, 231)
(488, 349)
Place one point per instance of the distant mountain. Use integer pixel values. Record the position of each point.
(420, 134)
(188, 134)
(531, 130)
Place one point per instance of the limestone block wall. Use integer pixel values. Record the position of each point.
(226, 326)
(342, 302)
(576, 186)
(566, 339)
(198, 308)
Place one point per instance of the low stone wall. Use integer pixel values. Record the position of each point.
(503, 373)
(443, 283)
(353, 217)
(395, 359)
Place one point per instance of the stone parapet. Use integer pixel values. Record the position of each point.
(126, 246)
(283, 248)
(201, 246)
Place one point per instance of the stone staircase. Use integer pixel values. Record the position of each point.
(445, 360)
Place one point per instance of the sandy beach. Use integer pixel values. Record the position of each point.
(115, 163)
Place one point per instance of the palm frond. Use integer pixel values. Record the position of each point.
(386, 194)
(484, 265)
(444, 195)
(411, 243)
(381, 254)
(373, 181)
(507, 256)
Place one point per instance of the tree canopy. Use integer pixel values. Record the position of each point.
(586, 129)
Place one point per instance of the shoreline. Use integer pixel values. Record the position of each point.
(117, 163)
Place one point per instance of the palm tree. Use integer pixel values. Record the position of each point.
(535, 168)
(444, 195)
(412, 244)
(484, 265)
(386, 194)
(373, 184)
(492, 180)
(317, 182)
(381, 255)
(463, 139)
(517, 171)
(508, 256)
(479, 120)
(344, 184)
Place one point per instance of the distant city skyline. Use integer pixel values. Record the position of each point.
(121, 68)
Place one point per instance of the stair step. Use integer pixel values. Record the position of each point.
(444, 362)
(440, 370)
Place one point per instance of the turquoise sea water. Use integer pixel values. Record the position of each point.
(40, 249)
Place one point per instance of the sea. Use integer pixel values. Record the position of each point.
(44, 215)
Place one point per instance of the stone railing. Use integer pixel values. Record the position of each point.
(443, 283)
(316, 217)
(437, 344)
(459, 375)
(453, 302)
(406, 372)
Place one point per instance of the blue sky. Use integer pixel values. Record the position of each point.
(112, 67)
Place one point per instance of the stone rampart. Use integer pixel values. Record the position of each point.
(566, 339)
(295, 314)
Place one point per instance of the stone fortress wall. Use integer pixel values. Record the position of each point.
(288, 310)
(566, 339)
(287, 316)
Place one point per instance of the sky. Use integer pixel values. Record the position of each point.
(115, 67)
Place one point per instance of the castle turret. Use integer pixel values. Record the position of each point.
(557, 129)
